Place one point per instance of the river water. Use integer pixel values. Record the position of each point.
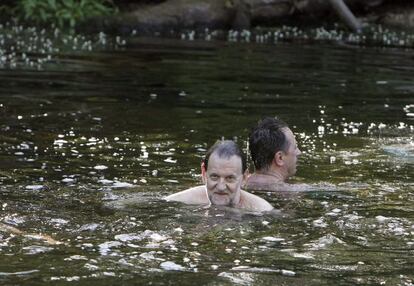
(92, 140)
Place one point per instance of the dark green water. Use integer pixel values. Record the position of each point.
(92, 141)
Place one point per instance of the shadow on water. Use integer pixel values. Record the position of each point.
(92, 142)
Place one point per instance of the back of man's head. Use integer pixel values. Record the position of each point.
(265, 139)
(225, 149)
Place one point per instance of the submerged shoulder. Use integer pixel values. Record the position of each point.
(270, 186)
(195, 195)
(255, 203)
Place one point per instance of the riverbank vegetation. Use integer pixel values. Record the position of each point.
(372, 22)
(60, 13)
(161, 15)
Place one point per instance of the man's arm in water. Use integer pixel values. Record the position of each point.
(193, 196)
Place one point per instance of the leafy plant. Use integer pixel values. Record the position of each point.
(62, 13)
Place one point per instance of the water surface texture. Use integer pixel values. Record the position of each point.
(92, 140)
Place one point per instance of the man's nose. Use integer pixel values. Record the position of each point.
(299, 152)
(221, 185)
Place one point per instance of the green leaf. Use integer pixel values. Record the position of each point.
(60, 22)
(69, 4)
(43, 15)
(52, 4)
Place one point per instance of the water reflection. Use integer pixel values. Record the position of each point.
(91, 144)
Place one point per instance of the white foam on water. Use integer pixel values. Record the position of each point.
(382, 219)
(36, 249)
(89, 227)
(91, 267)
(156, 237)
(272, 239)
(171, 266)
(255, 269)
(324, 242)
(288, 272)
(75, 257)
(119, 185)
(19, 273)
(128, 237)
(105, 181)
(60, 142)
(35, 187)
(170, 160)
(150, 256)
(58, 221)
(241, 278)
(68, 180)
(105, 248)
(100, 167)
(303, 255)
(320, 223)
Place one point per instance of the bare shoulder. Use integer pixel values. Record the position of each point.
(193, 196)
(255, 203)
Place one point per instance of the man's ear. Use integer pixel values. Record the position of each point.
(203, 173)
(278, 159)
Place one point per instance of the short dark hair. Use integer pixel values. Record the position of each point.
(265, 140)
(225, 149)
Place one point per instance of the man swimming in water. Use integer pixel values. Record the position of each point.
(274, 152)
(223, 173)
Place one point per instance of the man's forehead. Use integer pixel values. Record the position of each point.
(289, 134)
(217, 161)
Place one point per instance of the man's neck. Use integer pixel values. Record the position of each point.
(266, 181)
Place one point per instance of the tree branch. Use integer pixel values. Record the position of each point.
(346, 15)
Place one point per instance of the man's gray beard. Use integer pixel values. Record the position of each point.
(230, 204)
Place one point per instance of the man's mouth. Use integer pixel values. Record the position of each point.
(221, 194)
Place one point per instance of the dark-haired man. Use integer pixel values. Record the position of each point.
(274, 152)
(223, 173)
